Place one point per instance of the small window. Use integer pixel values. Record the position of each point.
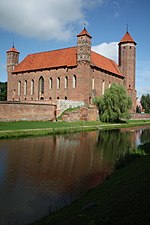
(66, 82)
(103, 87)
(25, 87)
(93, 83)
(41, 85)
(58, 82)
(19, 87)
(32, 87)
(65, 97)
(50, 83)
(74, 81)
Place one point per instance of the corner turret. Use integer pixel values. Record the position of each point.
(12, 58)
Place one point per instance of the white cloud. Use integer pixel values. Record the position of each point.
(116, 8)
(109, 50)
(48, 19)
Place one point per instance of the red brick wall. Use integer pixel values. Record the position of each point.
(10, 111)
(140, 116)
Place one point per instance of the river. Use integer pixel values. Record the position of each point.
(40, 175)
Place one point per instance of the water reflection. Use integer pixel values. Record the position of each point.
(40, 175)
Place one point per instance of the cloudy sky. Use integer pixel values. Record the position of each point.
(44, 25)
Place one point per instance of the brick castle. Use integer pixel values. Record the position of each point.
(75, 73)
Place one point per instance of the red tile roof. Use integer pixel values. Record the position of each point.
(47, 60)
(63, 58)
(12, 50)
(105, 63)
(127, 38)
(84, 32)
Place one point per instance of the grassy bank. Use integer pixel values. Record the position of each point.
(40, 128)
(124, 199)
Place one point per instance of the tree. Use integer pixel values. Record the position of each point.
(145, 102)
(3, 91)
(114, 105)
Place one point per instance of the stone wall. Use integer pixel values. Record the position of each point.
(82, 114)
(62, 105)
(140, 116)
(16, 111)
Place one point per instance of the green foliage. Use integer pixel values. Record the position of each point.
(145, 102)
(3, 91)
(114, 104)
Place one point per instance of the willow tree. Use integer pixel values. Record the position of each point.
(114, 105)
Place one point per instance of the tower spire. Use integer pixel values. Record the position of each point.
(127, 27)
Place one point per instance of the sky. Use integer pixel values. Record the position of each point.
(44, 25)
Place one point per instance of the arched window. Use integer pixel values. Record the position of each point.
(66, 82)
(74, 84)
(32, 87)
(93, 83)
(19, 87)
(58, 82)
(109, 85)
(41, 85)
(25, 87)
(50, 83)
(103, 87)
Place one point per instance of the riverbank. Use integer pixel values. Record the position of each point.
(43, 128)
(124, 199)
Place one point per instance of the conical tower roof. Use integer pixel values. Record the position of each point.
(127, 39)
(13, 49)
(84, 32)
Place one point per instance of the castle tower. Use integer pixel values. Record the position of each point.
(84, 46)
(12, 61)
(127, 61)
(12, 58)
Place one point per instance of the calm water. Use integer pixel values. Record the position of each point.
(41, 175)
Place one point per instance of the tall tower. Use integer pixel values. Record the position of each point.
(84, 46)
(12, 59)
(127, 63)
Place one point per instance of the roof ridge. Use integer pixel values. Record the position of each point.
(60, 49)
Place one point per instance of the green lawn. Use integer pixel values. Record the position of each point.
(40, 128)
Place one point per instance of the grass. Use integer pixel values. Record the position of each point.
(124, 199)
(40, 128)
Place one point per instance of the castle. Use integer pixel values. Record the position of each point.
(75, 73)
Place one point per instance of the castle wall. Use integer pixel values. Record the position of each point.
(13, 111)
